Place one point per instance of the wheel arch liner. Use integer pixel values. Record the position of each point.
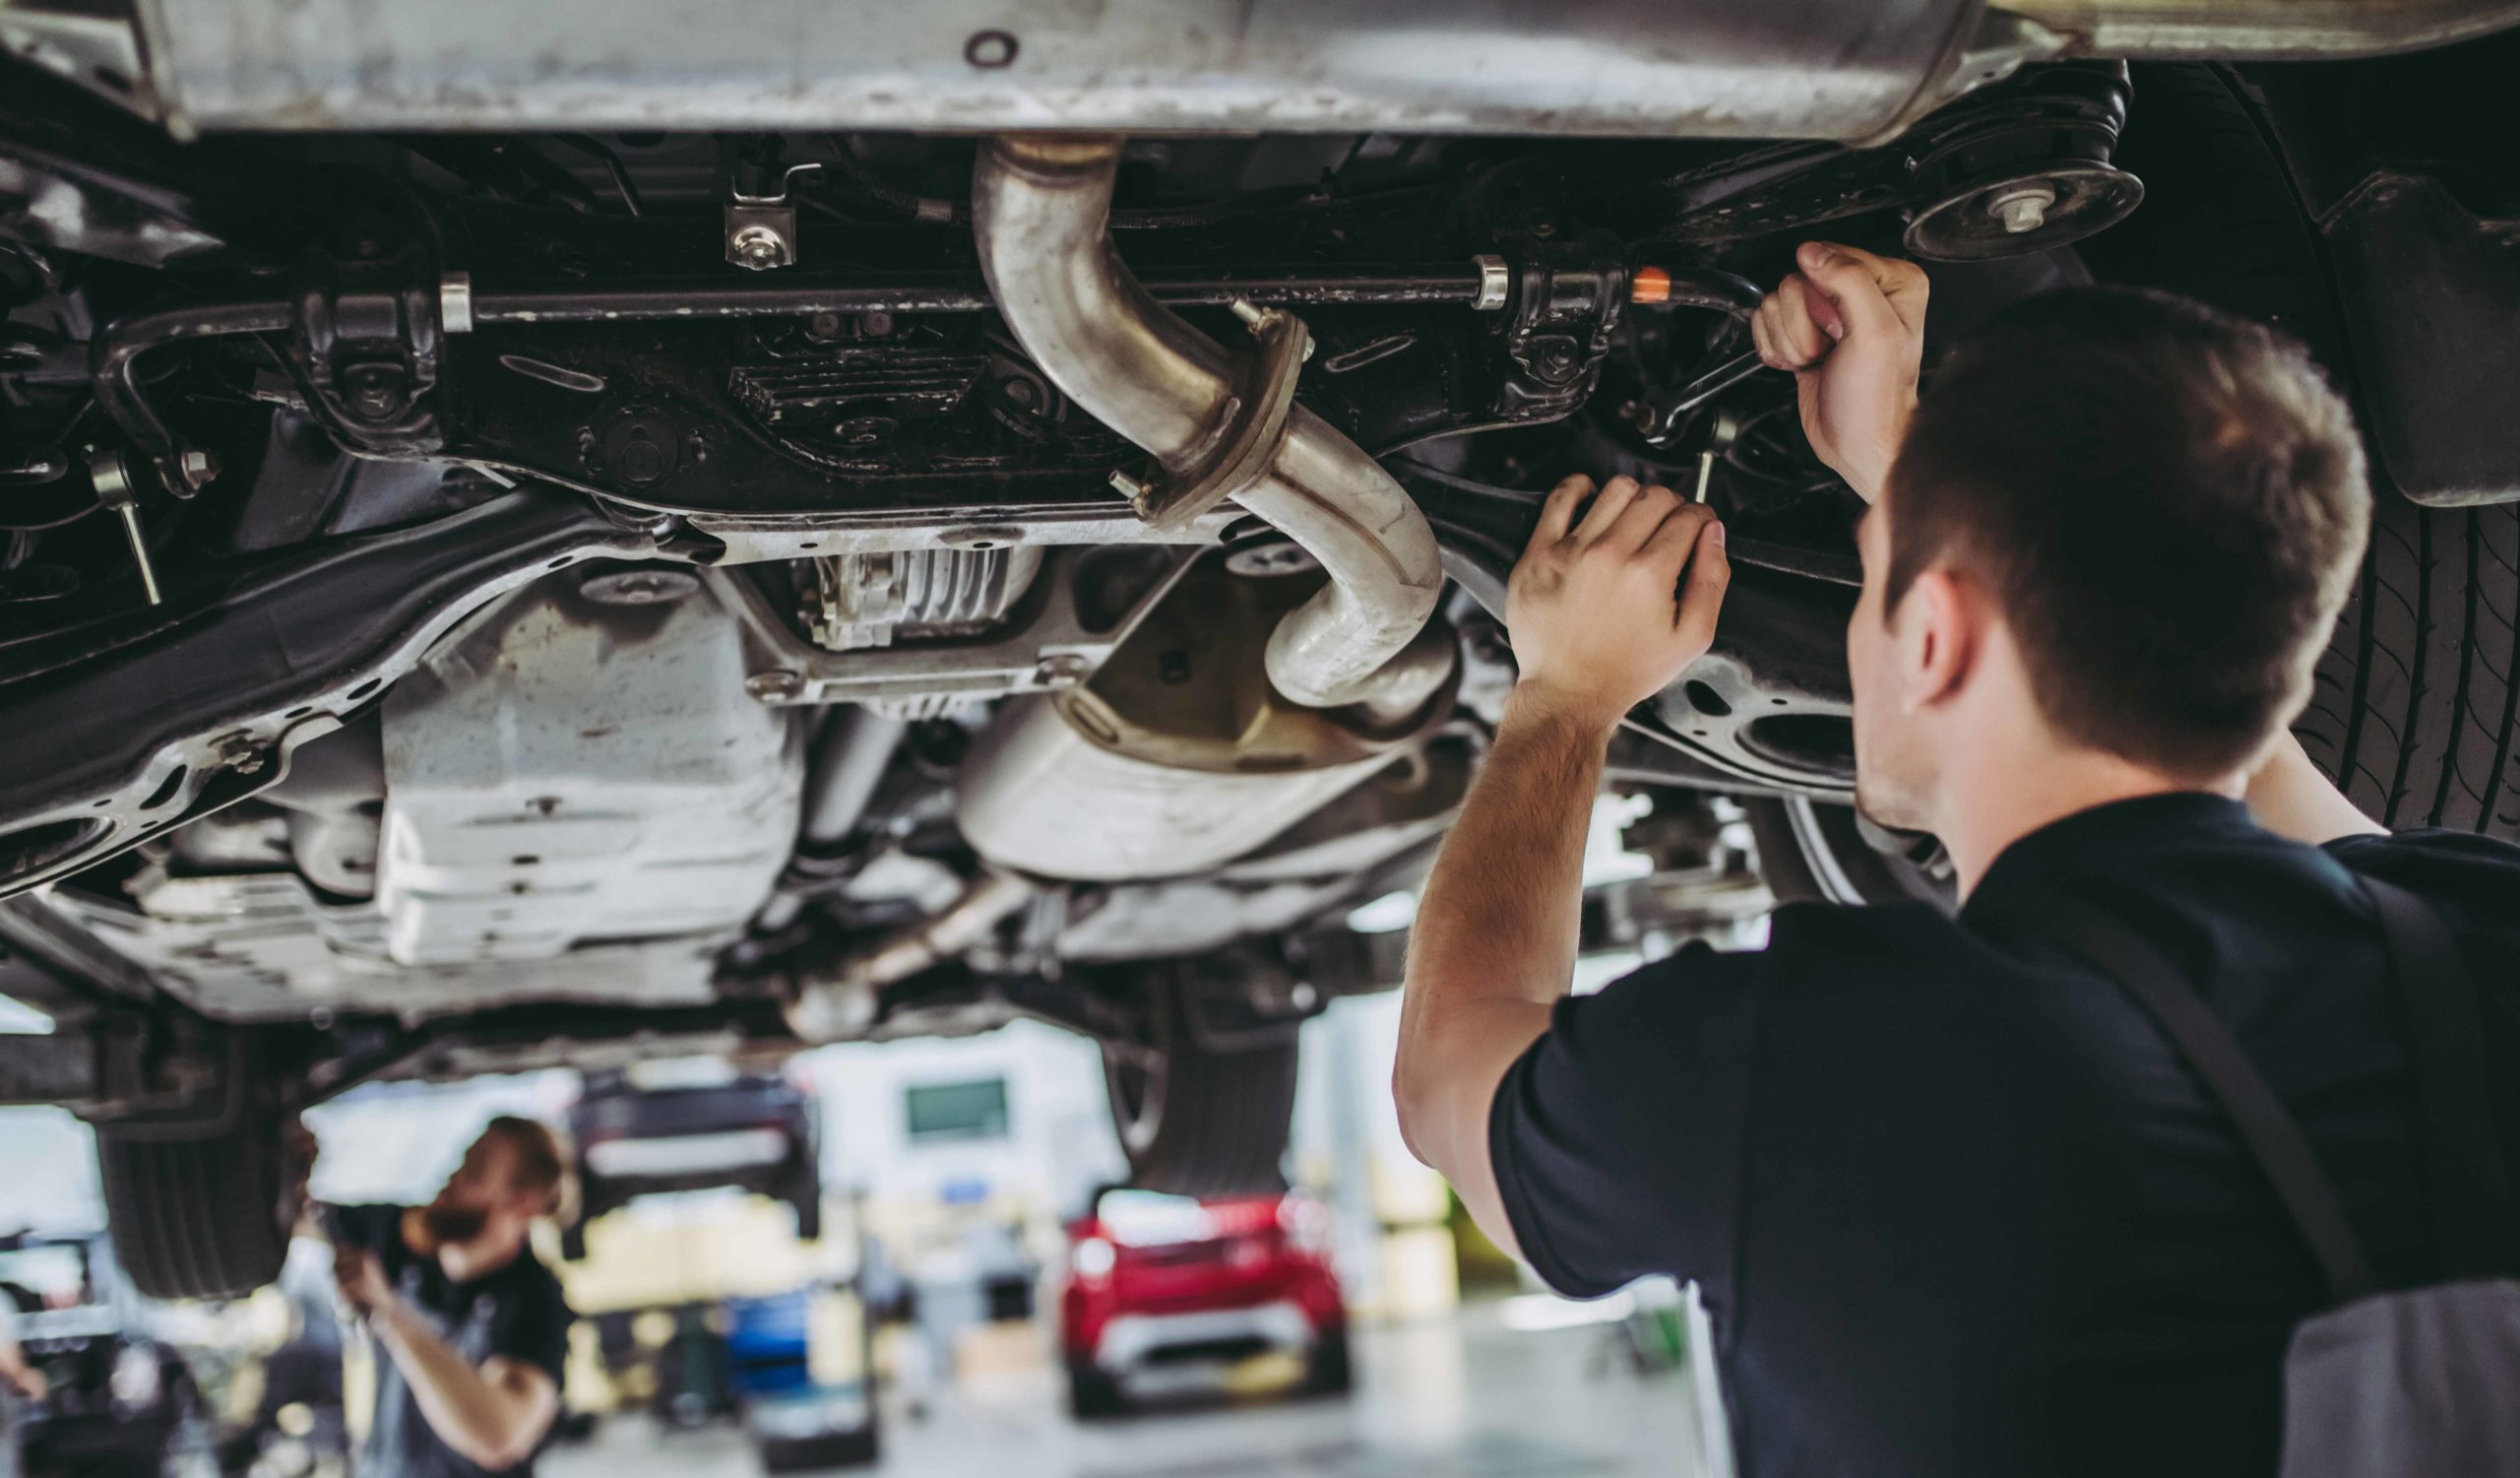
(2427, 292)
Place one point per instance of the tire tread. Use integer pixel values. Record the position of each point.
(1226, 1114)
(195, 1218)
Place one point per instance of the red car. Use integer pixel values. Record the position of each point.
(1165, 1293)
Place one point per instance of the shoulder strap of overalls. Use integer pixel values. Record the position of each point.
(2268, 1131)
(2464, 1159)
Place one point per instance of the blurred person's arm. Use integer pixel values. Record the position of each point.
(298, 1143)
(494, 1415)
(28, 1380)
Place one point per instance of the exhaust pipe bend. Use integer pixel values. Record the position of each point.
(839, 999)
(1039, 207)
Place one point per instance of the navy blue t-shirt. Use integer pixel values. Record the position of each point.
(516, 1310)
(1954, 1204)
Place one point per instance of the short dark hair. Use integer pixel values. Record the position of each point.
(2168, 503)
(539, 1163)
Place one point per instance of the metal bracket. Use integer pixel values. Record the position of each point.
(174, 1083)
(368, 335)
(761, 230)
(1255, 422)
(1242, 1012)
(53, 1067)
(160, 1080)
(1557, 330)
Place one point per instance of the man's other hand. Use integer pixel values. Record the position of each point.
(1596, 610)
(361, 1278)
(1850, 327)
(298, 1145)
(31, 1383)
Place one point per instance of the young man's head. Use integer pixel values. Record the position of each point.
(2120, 523)
(514, 1173)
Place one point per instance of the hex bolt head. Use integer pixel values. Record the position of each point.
(199, 466)
(775, 686)
(375, 392)
(758, 248)
(238, 752)
(1061, 670)
(2023, 208)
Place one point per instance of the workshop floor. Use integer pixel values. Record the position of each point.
(1458, 1399)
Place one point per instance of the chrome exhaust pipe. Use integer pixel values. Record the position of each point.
(1039, 204)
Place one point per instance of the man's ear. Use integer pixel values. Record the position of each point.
(1945, 617)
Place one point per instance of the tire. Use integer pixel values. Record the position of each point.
(2414, 711)
(1196, 1120)
(832, 1450)
(1334, 1371)
(205, 1217)
(1091, 1394)
(804, 1195)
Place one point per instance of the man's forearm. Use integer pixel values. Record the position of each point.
(1501, 913)
(1867, 468)
(1497, 926)
(1610, 602)
(490, 1425)
(1495, 939)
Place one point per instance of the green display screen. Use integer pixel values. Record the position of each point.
(958, 1110)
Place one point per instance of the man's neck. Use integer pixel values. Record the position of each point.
(1999, 800)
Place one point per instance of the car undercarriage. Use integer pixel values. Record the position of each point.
(1014, 522)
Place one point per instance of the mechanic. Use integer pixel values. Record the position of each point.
(1954, 1203)
(471, 1325)
(19, 1378)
